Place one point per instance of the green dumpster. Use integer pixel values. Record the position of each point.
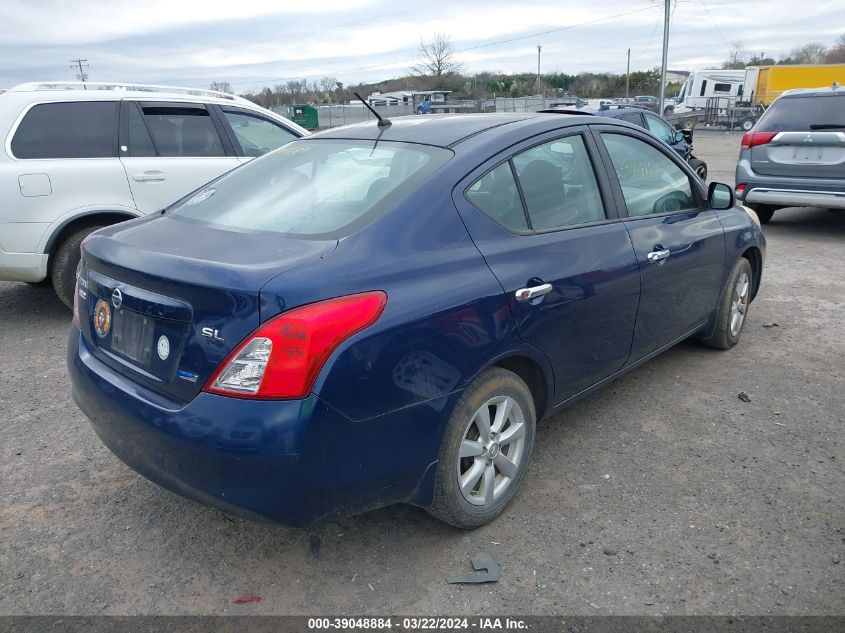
(304, 115)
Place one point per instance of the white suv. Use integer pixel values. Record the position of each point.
(82, 156)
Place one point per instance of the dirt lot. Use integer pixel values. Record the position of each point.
(662, 493)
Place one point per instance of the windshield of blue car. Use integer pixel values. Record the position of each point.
(802, 114)
(325, 188)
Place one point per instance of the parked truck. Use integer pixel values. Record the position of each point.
(764, 84)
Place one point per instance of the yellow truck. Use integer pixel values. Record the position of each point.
(764, 84)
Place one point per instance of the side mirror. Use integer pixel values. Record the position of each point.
(679, 136)
(720, 196)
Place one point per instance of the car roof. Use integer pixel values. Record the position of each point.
(449, 130)
(612, 112)
(835, 89)
(94, 91)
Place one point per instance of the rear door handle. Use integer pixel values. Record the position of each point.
(149, 176)
(527, 294)
(658, 256)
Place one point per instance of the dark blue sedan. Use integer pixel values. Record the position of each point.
(381, 314)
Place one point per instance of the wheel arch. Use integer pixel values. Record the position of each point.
(538, 379)
(75, 222)
(755, 258)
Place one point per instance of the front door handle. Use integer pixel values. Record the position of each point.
(149, 176)
(527, 294)
(658, 256)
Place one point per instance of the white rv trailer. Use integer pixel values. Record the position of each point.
(704, 84)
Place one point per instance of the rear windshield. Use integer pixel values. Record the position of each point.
(804, 114)
(314, 188)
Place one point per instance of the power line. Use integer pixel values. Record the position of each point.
(461, 50)
(79, 63)
(718, 30)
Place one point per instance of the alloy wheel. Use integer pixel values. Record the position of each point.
(491, 451)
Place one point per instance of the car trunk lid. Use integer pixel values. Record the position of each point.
(166, 304)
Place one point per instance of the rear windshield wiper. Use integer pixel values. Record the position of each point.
(828, 126)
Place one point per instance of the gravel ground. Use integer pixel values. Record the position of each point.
(663, 493)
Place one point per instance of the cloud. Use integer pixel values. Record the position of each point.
(256, 43)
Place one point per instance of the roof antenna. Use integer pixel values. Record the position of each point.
(382, 122)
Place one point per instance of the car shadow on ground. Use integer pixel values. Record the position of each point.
(31, 302)
(807, 222)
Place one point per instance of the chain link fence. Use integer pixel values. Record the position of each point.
(332, 115)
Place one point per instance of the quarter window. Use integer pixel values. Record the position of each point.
(559, 184)
(183, 131)
(255, 135)
(497, 196)
(632, 117)
(81, 129)
(651, 182)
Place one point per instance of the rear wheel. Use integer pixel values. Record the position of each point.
(746, 124)
(764, 212)
(688, 124)
(733, 307)
(65, 261)
(485, 450)
(699, 167)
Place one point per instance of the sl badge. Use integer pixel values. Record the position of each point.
(102, 318)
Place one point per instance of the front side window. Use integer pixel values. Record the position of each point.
(139, 143)
(660, 128)
(182, 131)
(80, 129)
(255, 135)
(559, 184)
(651, 182)
(316, 188)
(496, 195)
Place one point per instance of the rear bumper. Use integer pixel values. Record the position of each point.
(795, 198)
(287, 461)
(22, 266)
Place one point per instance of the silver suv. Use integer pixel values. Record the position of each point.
(795, 155)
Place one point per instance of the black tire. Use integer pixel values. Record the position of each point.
(746, 123)
(725, 336)
(699, 167)
(64, 262)
(450, 505)
(764, 212)
(688, 124)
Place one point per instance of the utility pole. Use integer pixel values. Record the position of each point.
(665, 54)
(82, 75)
(628, 74)
(539, 48)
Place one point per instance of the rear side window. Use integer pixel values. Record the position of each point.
(632, 117)
(497, 196)
(183, 131)
(139, 141)
(81, 129)
(255, 135)
(804, 114)
(559, 184)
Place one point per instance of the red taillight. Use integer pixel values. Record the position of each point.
(740, 189)
(752, 139)
(283, 357)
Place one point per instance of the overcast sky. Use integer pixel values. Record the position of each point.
(253, 43)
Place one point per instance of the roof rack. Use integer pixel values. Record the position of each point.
(117, 86)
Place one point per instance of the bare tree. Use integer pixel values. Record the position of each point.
(836, 55)
(221, 86)
(812, 53)
(736, 57)
(436, 58)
